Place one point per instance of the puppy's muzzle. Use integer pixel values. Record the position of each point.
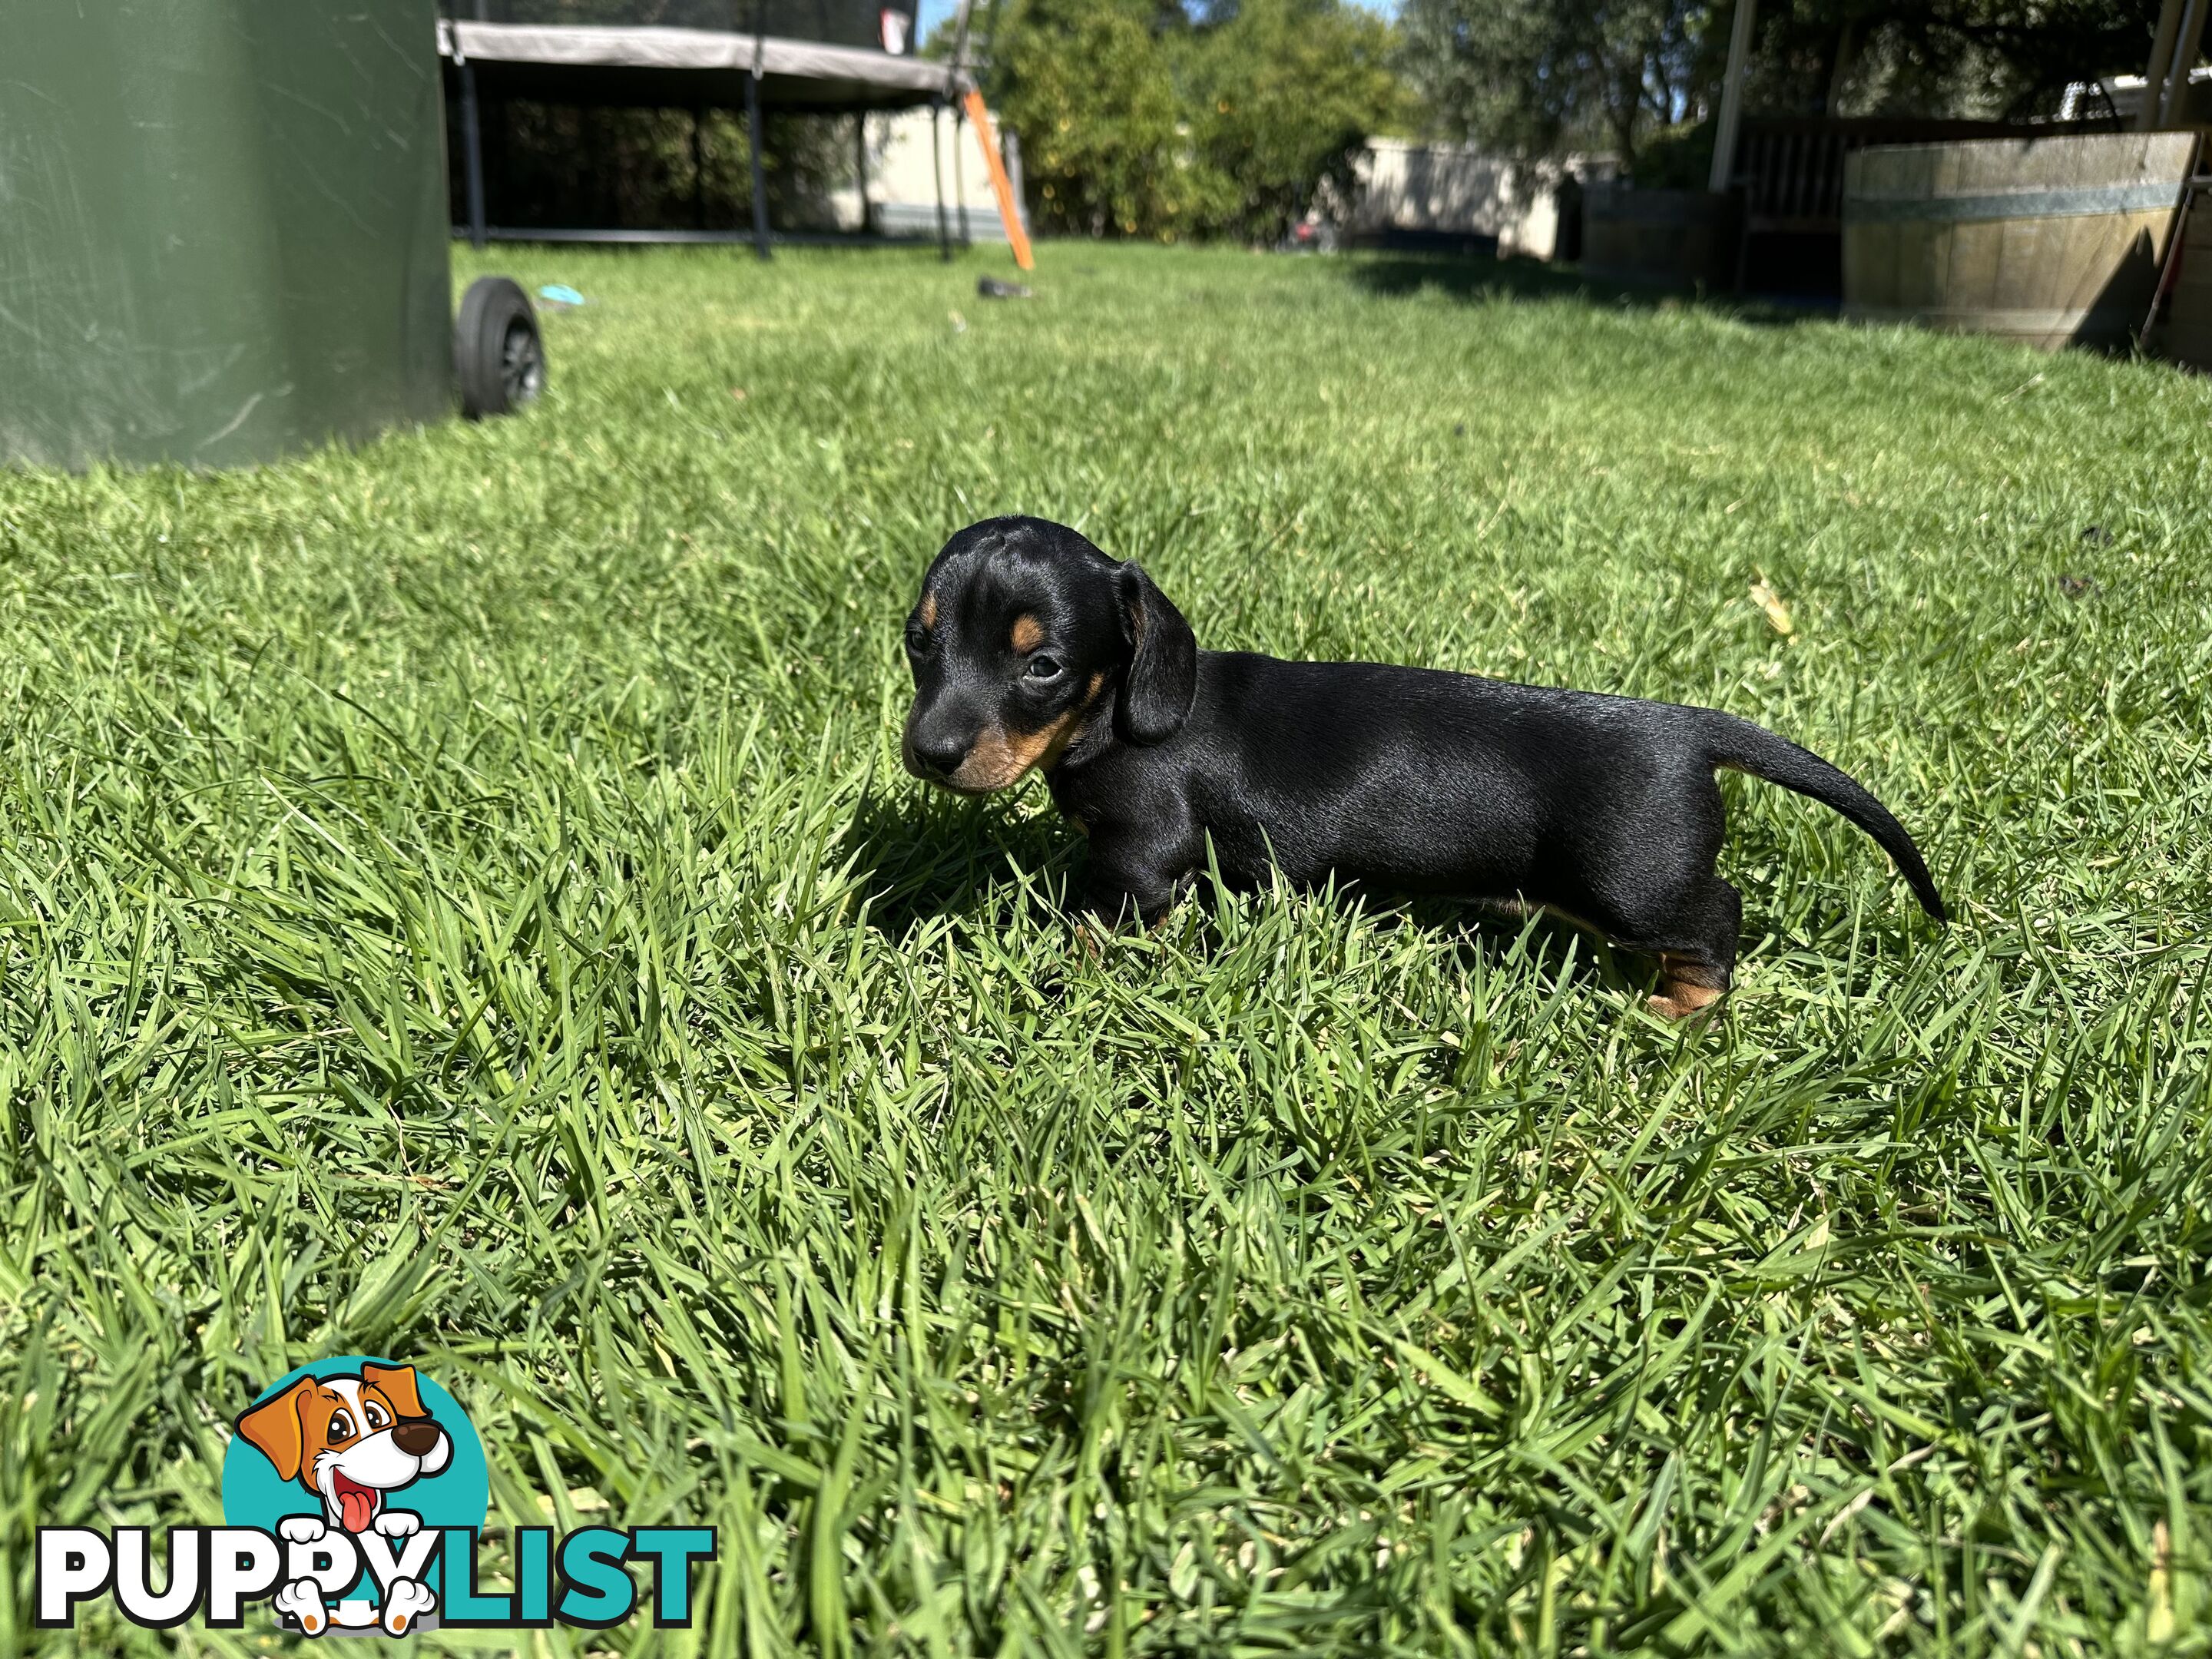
(418, 1436)
(935, 756)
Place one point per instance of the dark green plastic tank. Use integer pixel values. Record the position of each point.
(223, 227)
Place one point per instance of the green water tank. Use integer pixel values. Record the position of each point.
(223, 227)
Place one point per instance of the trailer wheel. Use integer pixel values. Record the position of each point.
(497, 354)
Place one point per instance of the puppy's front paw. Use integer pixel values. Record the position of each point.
(1684, 1002)
(399, 1523)
(406, 1600)
(301, 1529)
(302, 1599)
(1687, 988)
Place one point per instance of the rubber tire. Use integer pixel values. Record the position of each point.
(498, 355)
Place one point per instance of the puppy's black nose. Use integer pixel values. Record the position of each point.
(416, 1436)
(941, 752)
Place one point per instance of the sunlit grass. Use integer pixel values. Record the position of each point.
(460, 901)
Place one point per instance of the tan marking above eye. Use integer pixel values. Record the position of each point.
(929, 610)
(1029, 633)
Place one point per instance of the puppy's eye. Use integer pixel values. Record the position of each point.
(377, 1416)
(1043, 668)
(341, 1427)
(917, 642)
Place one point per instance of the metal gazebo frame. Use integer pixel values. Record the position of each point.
(652, 65)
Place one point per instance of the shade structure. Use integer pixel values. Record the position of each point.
(684, 68)
(885, 26)
(658, 54)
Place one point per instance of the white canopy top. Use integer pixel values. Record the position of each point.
(595, 46)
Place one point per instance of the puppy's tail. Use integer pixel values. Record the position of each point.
(1753, 749)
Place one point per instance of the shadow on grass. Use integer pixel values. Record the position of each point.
(1473, 278)
(1489, 930)
(920, 855)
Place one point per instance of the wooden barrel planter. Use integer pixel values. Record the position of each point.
(2048, 242)
(1677, 237)
(2186, 336)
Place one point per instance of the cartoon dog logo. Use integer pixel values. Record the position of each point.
(350, 1441)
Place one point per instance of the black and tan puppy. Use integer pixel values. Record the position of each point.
(1033, 649)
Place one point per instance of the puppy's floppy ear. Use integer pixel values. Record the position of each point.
(398, 1384)
(1162, 677)
(273, 1428)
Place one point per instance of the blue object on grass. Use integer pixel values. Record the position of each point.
(560, 293)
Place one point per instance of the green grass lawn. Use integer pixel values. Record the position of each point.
(460, 900)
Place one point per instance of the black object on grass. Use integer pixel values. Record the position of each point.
(498, 357)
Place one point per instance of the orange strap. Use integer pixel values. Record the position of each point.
(1009, 213)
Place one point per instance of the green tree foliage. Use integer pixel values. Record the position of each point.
(1089, 85)
(1284, 96)
(1967, 57)
(1140, 121)
(558, 165)
(1538, 76)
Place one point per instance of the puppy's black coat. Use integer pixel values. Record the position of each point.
(1031, 648)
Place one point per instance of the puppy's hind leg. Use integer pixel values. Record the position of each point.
(1697, 949)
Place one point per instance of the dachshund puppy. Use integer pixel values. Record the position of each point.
(1032, 650)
